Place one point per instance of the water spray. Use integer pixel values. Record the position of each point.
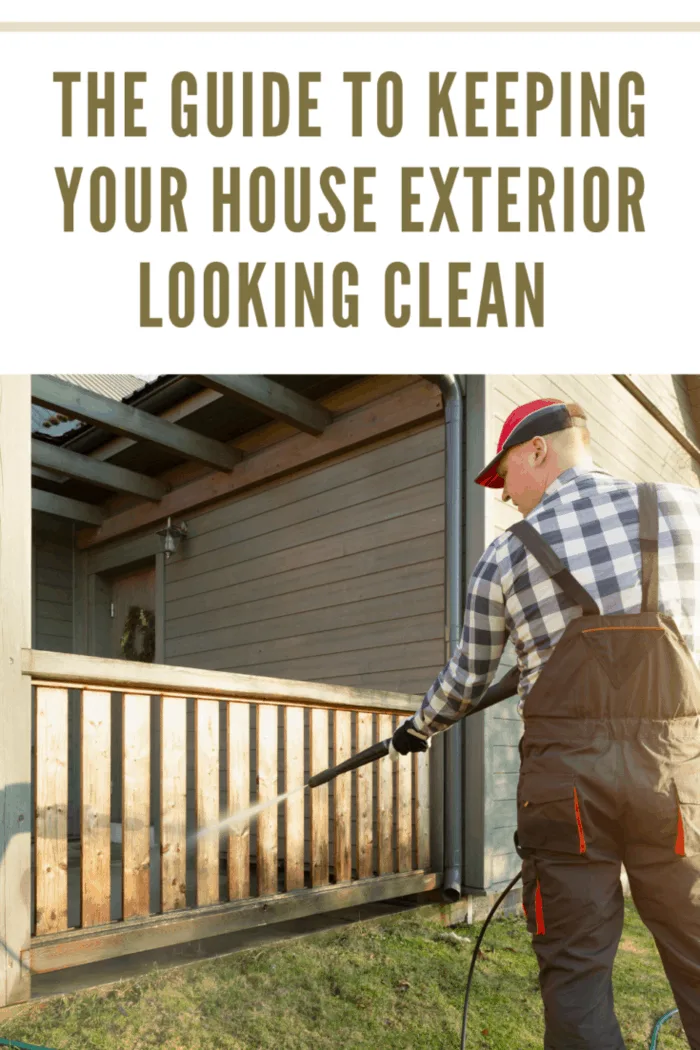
(362, 758)
(503, 689)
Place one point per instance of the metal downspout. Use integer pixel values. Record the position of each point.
(454, 615)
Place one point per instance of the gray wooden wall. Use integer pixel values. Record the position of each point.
(335, 575)
(52, 584)
(629, 443)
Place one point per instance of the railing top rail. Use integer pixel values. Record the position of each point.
(95, 672)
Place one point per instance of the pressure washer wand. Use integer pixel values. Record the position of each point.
(506, 687)
(370, 754)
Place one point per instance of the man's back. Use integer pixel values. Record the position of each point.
(591, 520)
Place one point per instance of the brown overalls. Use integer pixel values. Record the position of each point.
(610, 774)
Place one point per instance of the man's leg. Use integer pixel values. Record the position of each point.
(666, 892)
(575, 913)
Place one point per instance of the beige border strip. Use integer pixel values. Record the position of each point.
(349, 27)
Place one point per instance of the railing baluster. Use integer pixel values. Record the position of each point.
(136, 857)
(342, 796)
(51, 804)
(294, 807)
(207, 807)
(95, 889)
(173, 802)
(385, 802)
(238, 754)
(422, 810)
(364, 832)
(318, 744)
(267, 789)
(404, 807)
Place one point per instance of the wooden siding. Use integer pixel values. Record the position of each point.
(335, 575)
(629, 443)
(52, 587)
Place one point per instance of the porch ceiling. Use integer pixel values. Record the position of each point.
(123, 446)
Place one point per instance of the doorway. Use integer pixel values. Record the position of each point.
(112, 595)
(133, 590)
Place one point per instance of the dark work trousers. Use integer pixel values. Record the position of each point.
(610, 774)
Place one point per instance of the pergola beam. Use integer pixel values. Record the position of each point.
(175, 414)
(63, 507)
(106, 475)
(272, 399)
(48, 475)
(119, 418)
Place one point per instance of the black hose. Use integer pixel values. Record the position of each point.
(475, 955)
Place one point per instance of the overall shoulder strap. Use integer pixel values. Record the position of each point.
(649, 545)
(531, 539)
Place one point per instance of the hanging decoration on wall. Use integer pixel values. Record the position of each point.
(138, 641)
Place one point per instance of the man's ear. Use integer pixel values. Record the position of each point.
(539, 451)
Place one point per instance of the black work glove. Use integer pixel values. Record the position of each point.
(407, 739)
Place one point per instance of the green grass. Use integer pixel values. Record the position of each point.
(385, 985)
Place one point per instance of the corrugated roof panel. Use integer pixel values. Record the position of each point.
(117, 387)
(49, 422)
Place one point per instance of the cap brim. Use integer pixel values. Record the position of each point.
(489, 477)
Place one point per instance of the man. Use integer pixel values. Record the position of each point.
(605, 619)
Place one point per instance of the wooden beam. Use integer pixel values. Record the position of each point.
(15, 689)
(79, 947)
(63, 507)
(176, 414)
(418, 403)
(48, 475)
(153, 679)
(342, 400)
(128, 552)
(133, 422)
(272, 399)
(690, 447)
(85, 468)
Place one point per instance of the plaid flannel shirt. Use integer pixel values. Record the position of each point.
(591, 520)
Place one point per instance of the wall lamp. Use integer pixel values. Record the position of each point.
(172, 534)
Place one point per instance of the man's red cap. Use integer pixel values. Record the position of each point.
(544, 416)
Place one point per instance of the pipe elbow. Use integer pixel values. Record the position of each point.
(452, 885)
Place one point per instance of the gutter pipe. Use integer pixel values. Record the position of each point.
(454, 615)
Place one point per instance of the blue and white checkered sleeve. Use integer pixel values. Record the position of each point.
(475, 660)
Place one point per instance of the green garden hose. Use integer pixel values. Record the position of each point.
(17, 1045)
(657, 1028)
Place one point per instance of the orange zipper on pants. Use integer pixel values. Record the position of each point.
(579, 825)
(539, 911)
(680, 836)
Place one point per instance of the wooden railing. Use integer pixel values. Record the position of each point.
(364, 837)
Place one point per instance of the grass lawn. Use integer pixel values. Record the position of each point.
(383, 985)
